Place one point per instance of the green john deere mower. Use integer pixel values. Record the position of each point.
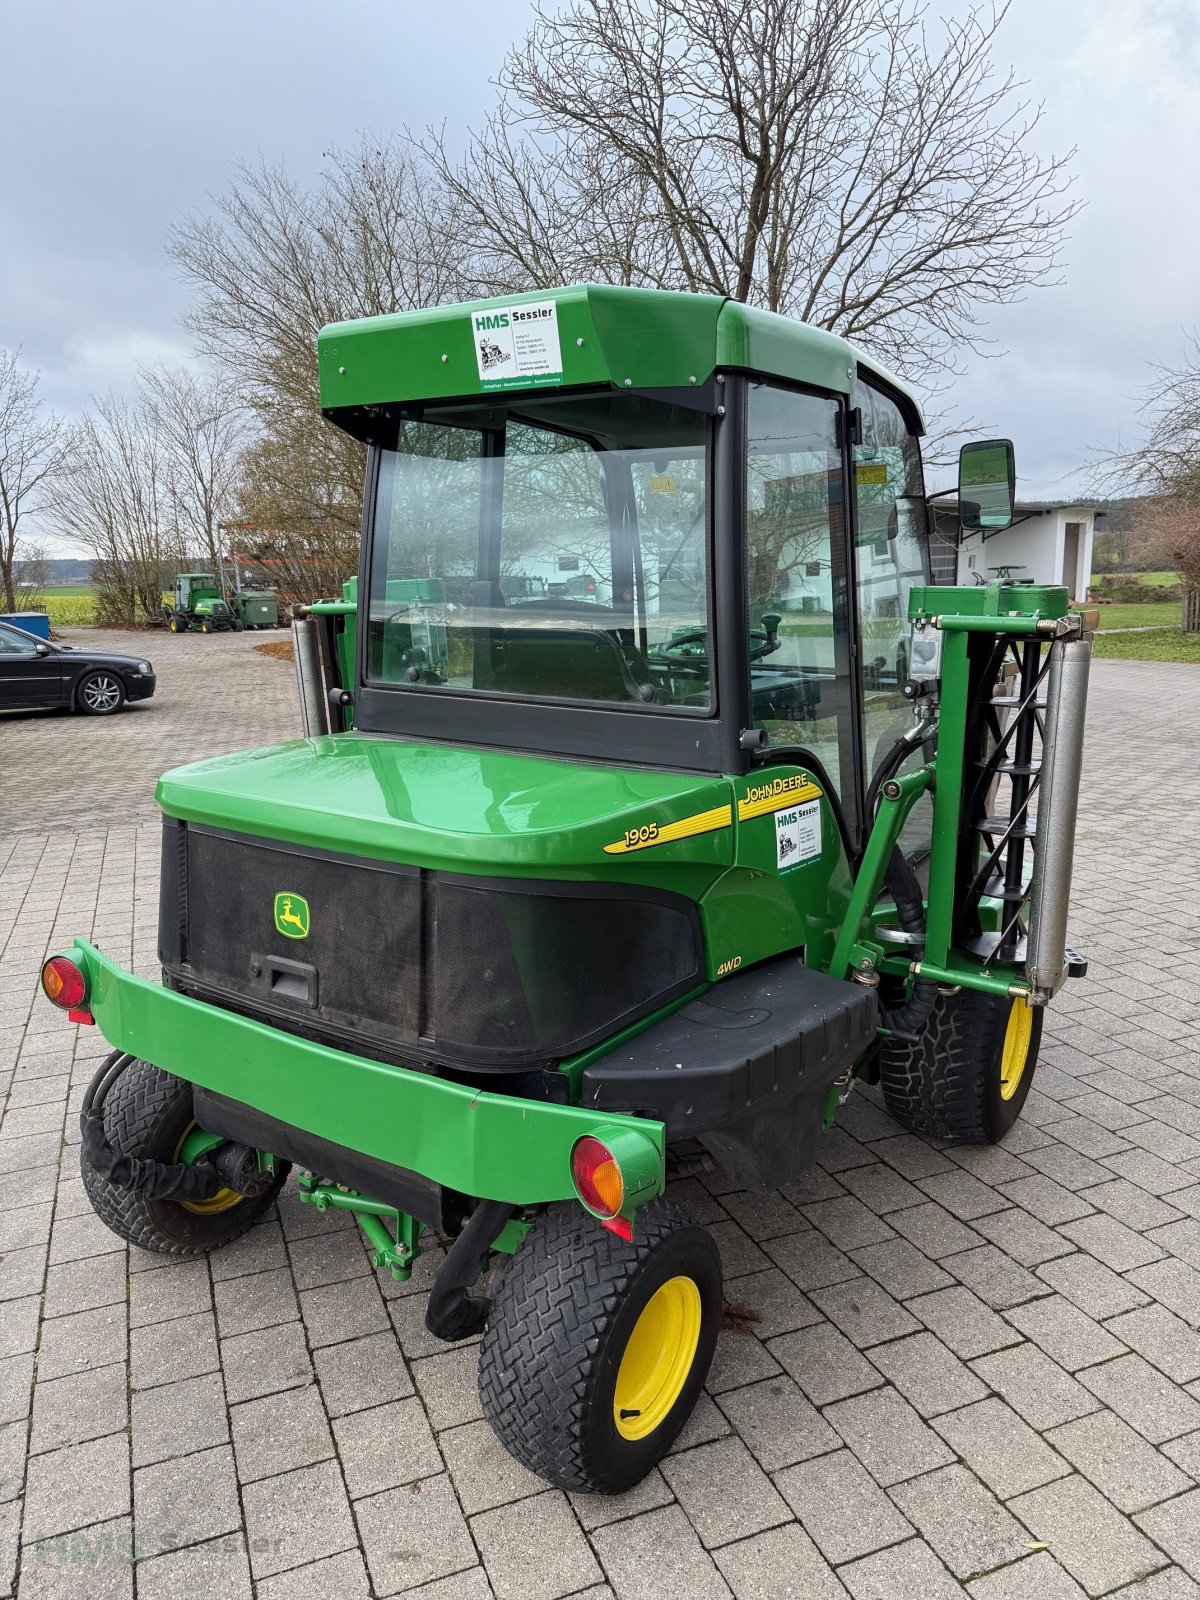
(658, 784)
(198, 601)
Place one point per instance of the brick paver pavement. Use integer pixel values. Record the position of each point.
(973, 1370)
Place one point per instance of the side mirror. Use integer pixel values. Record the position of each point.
(987, 485)
(41, 649)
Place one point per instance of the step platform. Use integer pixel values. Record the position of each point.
(746, 1068)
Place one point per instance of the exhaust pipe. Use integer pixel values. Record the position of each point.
(314, 713)
(1058, 803)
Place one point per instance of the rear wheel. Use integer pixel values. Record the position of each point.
(148, 1114)
(969, 1072)
(100, 694)
(177, 624)
(596, 1347)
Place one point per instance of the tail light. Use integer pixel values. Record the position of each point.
(598, 1180)
(613, 1172)
(65, 985)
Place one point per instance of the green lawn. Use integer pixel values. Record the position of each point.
(1156, 580)
(1157, 644)
(1147, 615)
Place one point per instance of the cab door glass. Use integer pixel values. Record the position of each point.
(796, 576)
(891, 551)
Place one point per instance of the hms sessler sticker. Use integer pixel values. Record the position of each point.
(517, 346)
(797, 835)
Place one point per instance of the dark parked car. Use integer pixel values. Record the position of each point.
(34, 673)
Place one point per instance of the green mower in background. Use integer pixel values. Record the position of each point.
(658, 784)
(198, 602)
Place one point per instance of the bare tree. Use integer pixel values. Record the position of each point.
(1167, 462)
(821, 158)
(276, 260)
(200, 425)
(32, 453)
(1165, 468)
(114, 503)
(1170, 526)
(31, 577)
(298, 506)
(273, 263)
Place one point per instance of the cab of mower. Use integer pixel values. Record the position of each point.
(726, 554)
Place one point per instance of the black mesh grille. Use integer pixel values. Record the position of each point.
(478, 972)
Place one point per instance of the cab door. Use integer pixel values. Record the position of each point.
(798, 581)
(28, 676)
(891, 555)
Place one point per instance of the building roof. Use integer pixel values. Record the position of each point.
(595, 334)
(1033, 508)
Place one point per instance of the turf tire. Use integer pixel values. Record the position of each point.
(559, 1324)
(946, 1084)
(146, 1114)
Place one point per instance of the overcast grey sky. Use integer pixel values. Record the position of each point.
(117, 119)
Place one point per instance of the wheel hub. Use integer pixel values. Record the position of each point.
(657, 1359)
(1015, 1053)
(101, 693)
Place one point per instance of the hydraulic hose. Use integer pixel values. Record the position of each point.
(160, 1181)
(919, 733)
(900, 880)
(907, 1020)
(452, 1313)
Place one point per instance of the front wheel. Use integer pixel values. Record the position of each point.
(969, 1072)
(148, 1114)
(596, 1347)
(100, 694)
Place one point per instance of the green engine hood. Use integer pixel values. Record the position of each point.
(470, 811)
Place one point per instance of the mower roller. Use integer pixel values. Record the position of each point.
(573, 886)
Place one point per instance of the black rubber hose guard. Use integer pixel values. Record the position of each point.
(452, 1313)
(182, 1181)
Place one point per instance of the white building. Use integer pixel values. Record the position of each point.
(1049, 541)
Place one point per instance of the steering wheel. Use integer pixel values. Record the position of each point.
(766, 642)
(670, 652)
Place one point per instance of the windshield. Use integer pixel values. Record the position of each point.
(554, 549)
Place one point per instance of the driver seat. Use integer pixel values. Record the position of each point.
(576, 663)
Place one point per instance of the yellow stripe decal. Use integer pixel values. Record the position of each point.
(649, 834)
(767, 797)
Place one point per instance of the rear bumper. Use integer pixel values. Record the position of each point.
(495, 1147)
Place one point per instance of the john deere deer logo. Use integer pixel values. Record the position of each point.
(292, 916)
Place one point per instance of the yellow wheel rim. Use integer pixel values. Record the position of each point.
(657, 1359)
(1015, 1054)
(223, 1200)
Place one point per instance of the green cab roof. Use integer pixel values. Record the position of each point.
(586, 334)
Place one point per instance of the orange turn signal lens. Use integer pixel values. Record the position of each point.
(63, 983)
(597, 1177)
